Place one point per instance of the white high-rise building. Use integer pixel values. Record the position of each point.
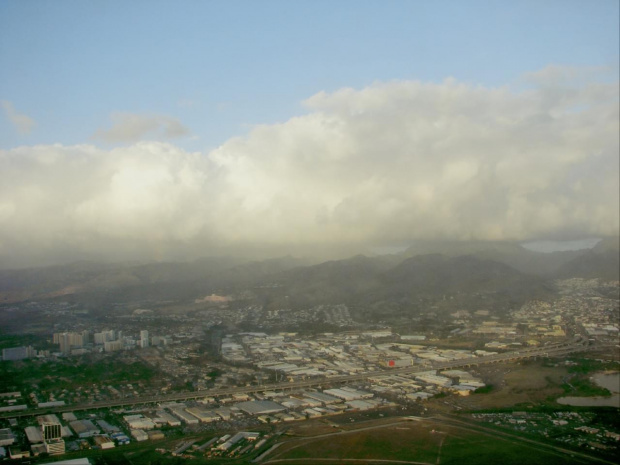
(104, 336)
(113, 346)
(65, 343)
(144, 338)
(52, 437)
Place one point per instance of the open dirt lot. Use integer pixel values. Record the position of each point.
(514, 384)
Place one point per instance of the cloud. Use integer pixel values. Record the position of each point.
(381, 165)
(129, 127)
(23, 123)
(554, 75)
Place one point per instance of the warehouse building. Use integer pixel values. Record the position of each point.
(260, 407)
(84, 428)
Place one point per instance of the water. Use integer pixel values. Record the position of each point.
(610, 381)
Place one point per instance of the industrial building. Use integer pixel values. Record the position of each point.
(184, 416)
(6, 437)
(103, 442)
(348, 394)
(321, 397)
(205, 416)
(260, 407)
(139, 422)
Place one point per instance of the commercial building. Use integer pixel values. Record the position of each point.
(139, 435)
(321, 397)
(52, 436)
(33, 434)
(113, 346)
(84, 428)
(205, 416)
(103, 442)
(166, 418)
(348, 394)
(144, 338)
(17, 353)
(260, 407)
(184, 416)
(139, 422)
(104, 336)
(51, 431)
(6, 437)
(238, 437)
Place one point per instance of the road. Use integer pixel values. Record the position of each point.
(576, 344)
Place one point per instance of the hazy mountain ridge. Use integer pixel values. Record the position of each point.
(363, 280)
(509, 253)
(337, 280)
(602, 261)
(468, 267)
(152, 280)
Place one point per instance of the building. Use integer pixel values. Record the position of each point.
(103, 442)
(321, 397)
(238, 437)
(184, 416)
(17, 353)
(52, 437)
(51, 431)
(107, 427)
(205, 416)
(139, 435)
(139, 422)
(348, 394)
(166, 418)
(260, 407)
(7, 437)
(113, 346)
(155, 435)
(70, 340)
(54, 403)
(65, 344)
(144, 338)
(55, 446)
(84, 428)
(104, 336)
(33, 434)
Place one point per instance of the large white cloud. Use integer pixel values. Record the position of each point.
(388, 163)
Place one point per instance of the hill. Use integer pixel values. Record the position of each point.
(602, 261)
(510, 253)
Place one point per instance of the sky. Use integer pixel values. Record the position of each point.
(171, 130)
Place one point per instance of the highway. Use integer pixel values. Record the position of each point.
(576, 344)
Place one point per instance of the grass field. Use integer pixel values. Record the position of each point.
(406, 442)
(424, 442)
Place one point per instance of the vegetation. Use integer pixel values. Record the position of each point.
(581, 386)
(19, 340)
(588, 365)
(71, 373)
(428, 443)
(485, 389)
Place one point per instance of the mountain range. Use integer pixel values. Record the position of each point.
(425, 270)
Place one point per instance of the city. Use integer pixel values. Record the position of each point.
(201, 379)
(309, 232)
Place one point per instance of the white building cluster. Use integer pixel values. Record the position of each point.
(292, 358)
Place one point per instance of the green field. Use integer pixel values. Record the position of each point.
(424, 442)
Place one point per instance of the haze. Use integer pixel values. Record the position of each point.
(163, 131)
